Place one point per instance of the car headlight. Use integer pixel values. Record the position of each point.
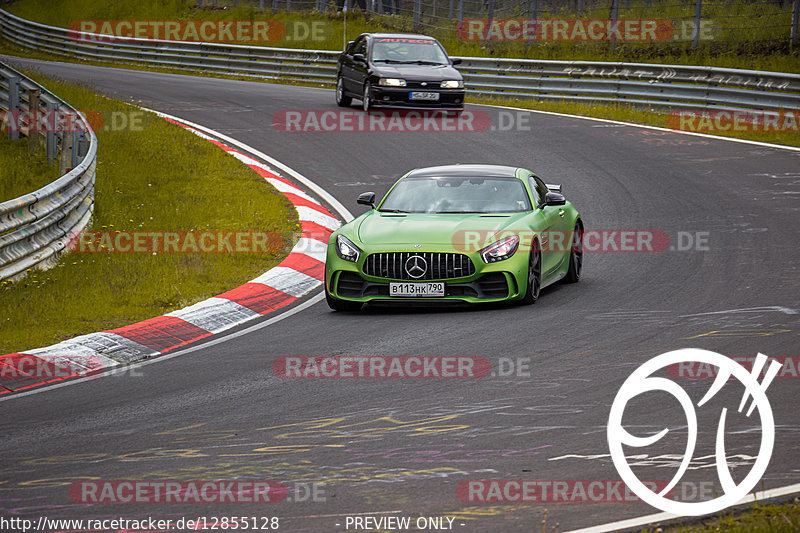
(452, 84)
(346, 250)
(393, 82)
(501, 250)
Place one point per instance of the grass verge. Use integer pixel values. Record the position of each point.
(154, 176)
(783, 518)
(747, 35)
(636, 115)
(20, 171)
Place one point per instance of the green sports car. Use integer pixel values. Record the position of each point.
(456, 233)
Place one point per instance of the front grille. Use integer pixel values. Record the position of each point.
(413, 84)
(438, 265)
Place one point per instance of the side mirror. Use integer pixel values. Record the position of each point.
(456, 61)
(360, 58)
(554, 198)
(367, 198)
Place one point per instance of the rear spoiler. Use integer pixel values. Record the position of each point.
(553, 187)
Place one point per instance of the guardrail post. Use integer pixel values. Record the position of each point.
(13, 107)
(614, 23)
(51, 139)
(490, 16)
(33, 126)
(795, 17)
(698, 7)
(77, 140)
(66, 152)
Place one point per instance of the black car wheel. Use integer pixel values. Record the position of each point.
(534, 276)
(366, 101)
(575, 255)
(342, 100)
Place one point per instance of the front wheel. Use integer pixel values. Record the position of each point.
(534, 276)
(366, 100)
(575, 255)
(342, 100)
(341, 305)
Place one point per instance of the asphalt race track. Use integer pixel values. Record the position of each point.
(398, 446)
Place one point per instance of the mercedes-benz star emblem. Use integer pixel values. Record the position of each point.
(416, 266)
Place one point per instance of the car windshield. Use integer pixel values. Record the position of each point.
(457, 195)
(410, 51)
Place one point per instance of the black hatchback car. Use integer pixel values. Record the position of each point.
(398, 69)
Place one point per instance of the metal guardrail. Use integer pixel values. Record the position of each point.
(36, 228)
(634, 83)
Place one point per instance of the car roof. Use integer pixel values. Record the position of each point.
(485, 171)
(400, 35)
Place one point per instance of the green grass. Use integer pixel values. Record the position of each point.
(747, 35)
(20, 171)
(637, 115)
(758, 519)
(159, 177)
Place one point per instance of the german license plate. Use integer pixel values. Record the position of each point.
(417, 289)
(424, 96)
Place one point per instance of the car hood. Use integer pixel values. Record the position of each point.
(448, 229)
(417, 72)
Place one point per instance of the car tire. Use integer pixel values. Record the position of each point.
(342, 100)
(534, 282)
(575, 255)
(366, 99)
(341, 305)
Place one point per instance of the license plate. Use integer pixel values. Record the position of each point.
(416, 289)
(424, 96)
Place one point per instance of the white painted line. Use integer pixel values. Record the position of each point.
(653, 519)
(656, 128)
